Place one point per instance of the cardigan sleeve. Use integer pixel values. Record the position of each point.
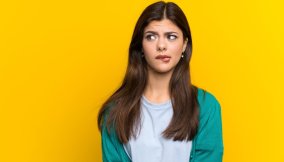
(112, 148)
(109, 146)
(209, 140)
(109, 151)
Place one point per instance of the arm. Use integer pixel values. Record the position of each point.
(109, 151)
(209, 140)
(112, 148)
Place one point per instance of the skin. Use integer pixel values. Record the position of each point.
(161, 38)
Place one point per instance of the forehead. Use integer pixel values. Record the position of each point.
(164, 25)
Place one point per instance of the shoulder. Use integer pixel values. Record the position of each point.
(209, 133)
(208, 103)
(108, 107)
(105, 113)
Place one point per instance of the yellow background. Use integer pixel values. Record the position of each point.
(59, 60)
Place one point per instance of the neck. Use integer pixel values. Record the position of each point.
(157, 87)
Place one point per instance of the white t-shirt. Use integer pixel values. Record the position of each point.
(150, 145)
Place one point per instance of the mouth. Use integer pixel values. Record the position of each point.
(164, 58)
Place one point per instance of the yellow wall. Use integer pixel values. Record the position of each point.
(60, 60)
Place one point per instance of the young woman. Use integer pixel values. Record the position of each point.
(157, 115)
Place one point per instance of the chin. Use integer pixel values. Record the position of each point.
(163, 71)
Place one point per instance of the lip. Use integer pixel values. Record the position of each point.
(162, 57)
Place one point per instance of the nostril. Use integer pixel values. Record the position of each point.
(161, 49)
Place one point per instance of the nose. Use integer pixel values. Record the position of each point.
(161, 45)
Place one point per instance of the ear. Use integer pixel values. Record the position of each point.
(184, 45)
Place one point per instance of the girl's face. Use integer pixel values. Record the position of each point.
(163, 45)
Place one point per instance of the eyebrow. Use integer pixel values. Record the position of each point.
(156, 33)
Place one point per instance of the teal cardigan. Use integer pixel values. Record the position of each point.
(207, 145)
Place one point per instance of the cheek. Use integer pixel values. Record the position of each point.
(176, 49)
(148, 48)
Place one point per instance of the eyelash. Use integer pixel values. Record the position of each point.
(148, 37)
(169, 36)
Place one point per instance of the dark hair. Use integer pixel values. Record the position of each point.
(124, 114)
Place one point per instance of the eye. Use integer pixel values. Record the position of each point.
(150, 37)
(172, 37)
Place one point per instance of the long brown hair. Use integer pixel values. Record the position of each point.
(123, 107)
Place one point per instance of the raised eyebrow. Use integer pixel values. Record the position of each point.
(151, 32)
(168, 33)
(156, 33)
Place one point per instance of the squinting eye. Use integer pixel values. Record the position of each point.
(150, 37)
(172, 37)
